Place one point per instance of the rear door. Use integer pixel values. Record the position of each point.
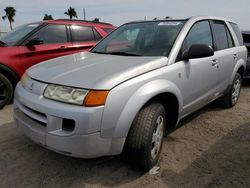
(225, 52)
(84, 37)
(55, 43)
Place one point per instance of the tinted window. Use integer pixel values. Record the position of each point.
(108, 30)
(220, 35)
(230, 39)
(52, 34)
(97, 35)
(82, 33)
(237, 32)
(200, 33)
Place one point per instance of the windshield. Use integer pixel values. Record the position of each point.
(141, 39)
(12, 37)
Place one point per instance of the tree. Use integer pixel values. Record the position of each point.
(71, 12)
(10, 13)
(47, 17)
(96, 20)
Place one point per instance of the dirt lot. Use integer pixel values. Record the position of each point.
(209, 149)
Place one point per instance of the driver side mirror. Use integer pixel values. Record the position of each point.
(35, 41)
(198, 51)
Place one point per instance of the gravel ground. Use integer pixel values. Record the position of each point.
(209, 149)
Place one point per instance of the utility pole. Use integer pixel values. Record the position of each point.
(84, 14)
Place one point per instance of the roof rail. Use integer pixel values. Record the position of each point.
(88, 21)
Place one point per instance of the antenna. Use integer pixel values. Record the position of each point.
(84, 14)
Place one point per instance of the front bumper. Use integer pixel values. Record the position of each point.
(42, 120)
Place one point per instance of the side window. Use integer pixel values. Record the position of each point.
(82, 33)
(237, 32)
(220, 33)
(230, 39)
(52, 34)
(200, 33)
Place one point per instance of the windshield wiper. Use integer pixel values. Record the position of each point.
(124, 53)
(118, 53)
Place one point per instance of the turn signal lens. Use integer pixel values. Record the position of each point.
(95, 98)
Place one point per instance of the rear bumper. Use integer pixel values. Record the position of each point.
(41, 120)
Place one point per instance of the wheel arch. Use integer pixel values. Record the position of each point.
(165, 92)
(240, 68)
(10, 74)
(241, 71)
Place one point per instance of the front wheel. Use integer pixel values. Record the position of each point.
(145, 138)
(232, 96)
(6, 91)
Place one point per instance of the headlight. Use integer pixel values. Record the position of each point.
(65, 94)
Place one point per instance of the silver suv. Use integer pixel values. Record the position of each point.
(124, 94)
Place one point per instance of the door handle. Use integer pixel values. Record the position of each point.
(235, 56)
(215, 63)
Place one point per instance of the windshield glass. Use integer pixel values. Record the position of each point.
(141, 39)
(12, 37)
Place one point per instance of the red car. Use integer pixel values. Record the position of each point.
(36, 42)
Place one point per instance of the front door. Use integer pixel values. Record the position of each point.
(199, 83)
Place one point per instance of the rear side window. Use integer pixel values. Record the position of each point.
(220, 32)
(200, 33)
(82, 33)
(230, 39)
(223, 36)
(52, 34)
(237, 32)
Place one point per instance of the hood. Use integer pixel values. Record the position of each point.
(93, 71)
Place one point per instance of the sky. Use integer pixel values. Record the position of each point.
(118, 12)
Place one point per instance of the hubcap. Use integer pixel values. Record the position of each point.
(236, 91)
(157, 137)
(3, 95)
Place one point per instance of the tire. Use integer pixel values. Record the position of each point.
(6, 91)
(230, 99)
(141, 149)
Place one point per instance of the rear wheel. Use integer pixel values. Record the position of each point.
(231, 97)
(145, 138)
(6, 91)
